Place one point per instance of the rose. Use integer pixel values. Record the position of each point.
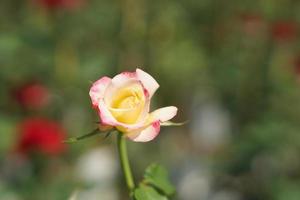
(31, 94)
(284, 30)
(123, 102)
(297, 65)
(60, 4)
(40, 135)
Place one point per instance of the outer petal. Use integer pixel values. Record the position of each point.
(147, 134)
(164, 114)
(123, 78)
(98, 89)
(148, 81)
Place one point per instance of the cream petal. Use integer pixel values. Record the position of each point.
(98, 89)
(148, 81)
(145, 135)
(164, 114)
(123, 78)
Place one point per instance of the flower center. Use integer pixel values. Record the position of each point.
(127, 103)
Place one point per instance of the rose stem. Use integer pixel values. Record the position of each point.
(125, 162)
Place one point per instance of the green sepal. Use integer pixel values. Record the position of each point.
(92, 133)
(169, 123)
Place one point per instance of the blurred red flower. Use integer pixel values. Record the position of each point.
(284, 30)
(38, 135)
(297, 66)
(57, 4)
(31, 95)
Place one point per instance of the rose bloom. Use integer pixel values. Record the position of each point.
(284, 30)
(123, 102)
(31, 95)
(59, 4)
(38, 135)
(297, 66)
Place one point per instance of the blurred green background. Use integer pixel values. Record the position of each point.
(231, 67)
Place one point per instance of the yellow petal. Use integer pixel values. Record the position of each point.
(128, 103)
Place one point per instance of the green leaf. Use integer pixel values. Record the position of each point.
(157, 176)
(144, 192)
(169, 123)
(75, 139)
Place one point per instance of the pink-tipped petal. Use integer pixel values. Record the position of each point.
(147, 134)
(98, 89)
(105, 116)
(164, 114)
(123, 78)
(148, 81)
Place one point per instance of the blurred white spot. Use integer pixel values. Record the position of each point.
(102, 193)
(194, 186)
(97, 166)
(226, 195)
(210, 126)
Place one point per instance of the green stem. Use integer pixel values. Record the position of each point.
(125, 162)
